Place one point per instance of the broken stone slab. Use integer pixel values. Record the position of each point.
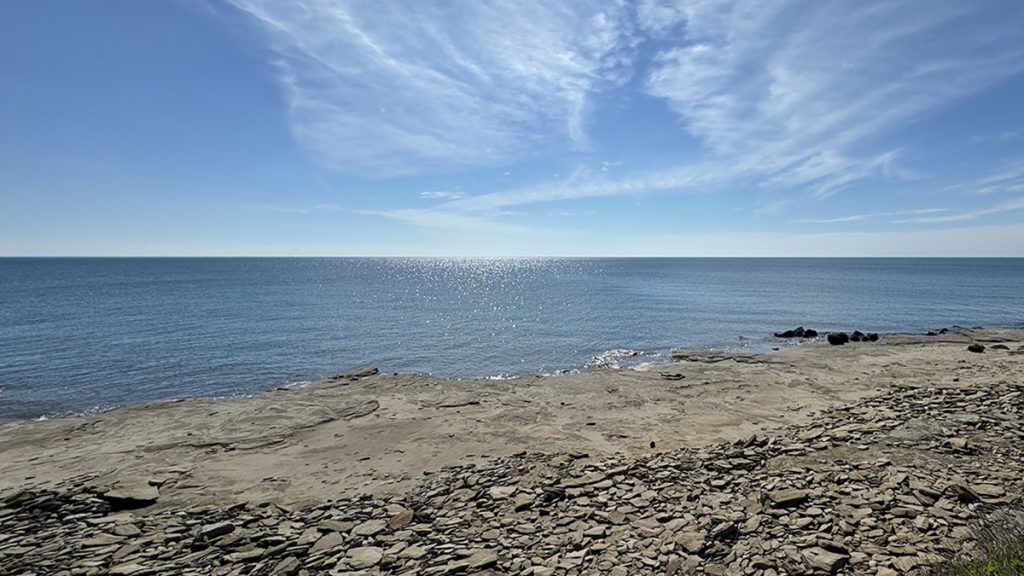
(130, 495)
(988, 491)
(821, 559)
(211, 531)
(787, 498)
(586, 480)
(692, 542)
(364, 557)
(286, 567)
(725, 531)
(329, 541)
(400, 519)
(483, 559)
(370, 528)
(128, 569)
(501, 492)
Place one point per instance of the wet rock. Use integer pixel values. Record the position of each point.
(798, 332)
(976, 348)
(354, 375)
(838, 338)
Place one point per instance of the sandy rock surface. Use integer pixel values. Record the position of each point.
(868, 458)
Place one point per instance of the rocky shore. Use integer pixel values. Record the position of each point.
(890, 482)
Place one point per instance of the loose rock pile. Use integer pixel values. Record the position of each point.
(886, 486)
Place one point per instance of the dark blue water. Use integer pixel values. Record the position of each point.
(83, 334)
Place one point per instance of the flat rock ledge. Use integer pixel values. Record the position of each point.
(890, 485)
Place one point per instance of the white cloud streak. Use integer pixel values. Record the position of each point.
(792, 95)
(441, 195)
(1007, 206)
(798, 89)
(872, 216)
(396, 87)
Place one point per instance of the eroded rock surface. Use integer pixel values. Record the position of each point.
(866, 488)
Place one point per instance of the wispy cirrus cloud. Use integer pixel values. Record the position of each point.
(798, 90)
(399, 86)
(477, 212)
(1013, 205)
(1008, 178)
(442, 195)
(792, 95)
(872, 216)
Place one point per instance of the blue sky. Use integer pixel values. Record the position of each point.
(480, 128)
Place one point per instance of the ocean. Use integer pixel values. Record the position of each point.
(87, 334)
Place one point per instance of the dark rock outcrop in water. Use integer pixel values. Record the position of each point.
(798, 332)
(353, 376)
(849, 493)
(975, 347)
(838, 338)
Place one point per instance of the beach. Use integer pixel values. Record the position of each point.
(913, 419)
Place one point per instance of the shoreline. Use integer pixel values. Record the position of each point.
(387, 438)
(659, 357)
(292, 406)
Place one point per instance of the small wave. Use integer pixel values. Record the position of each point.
(501, 377)
(614, 358)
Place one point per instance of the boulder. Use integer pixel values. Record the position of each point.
(857, 336)
(838, 338)
(976, 348)
(798, 332)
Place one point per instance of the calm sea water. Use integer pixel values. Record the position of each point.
(86, 334)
